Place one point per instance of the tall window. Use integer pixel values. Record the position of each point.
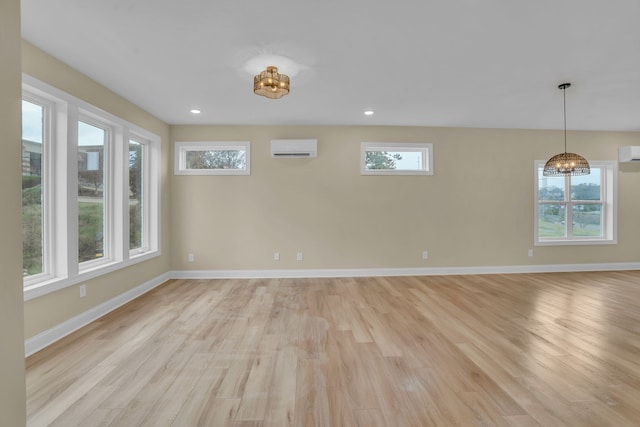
(92, 198)
(576, 209)
(91, 190)
(137, 193)
(33, 142)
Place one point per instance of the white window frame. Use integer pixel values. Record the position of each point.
(425, 148)
(609, 192)
(110, 188)
(182, 148)
(48, 182)
(150, 192)
(60, 227)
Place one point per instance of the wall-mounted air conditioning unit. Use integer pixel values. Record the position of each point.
(629, 154)
(294, 148)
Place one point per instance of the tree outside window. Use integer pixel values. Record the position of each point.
(576, 209)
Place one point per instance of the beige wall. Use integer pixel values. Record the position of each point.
(476, 210)
(12, 384)
(48, 311)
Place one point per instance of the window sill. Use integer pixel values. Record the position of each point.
(49, 285)
(575, 242)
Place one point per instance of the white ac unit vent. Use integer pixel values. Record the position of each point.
(294, 148)
(629, 154)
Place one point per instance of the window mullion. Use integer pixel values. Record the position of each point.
(49, 266)
(113, 181)
(568, 206)
(68, 199)
(152, 175)
(121, 193)
(604, 203)
(145, 190)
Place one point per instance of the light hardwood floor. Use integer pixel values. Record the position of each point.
(503, 350)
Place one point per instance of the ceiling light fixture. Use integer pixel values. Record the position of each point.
(271, 84)
(369, 113)
(566, 163)
(195, 111)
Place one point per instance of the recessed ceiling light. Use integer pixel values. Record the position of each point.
(369, 113)
(195, 111)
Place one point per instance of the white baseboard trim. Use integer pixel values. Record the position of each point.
(63, 329)
(58, 332)
(373, 272)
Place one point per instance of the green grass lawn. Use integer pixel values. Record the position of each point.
(91, 229)
(556, 229)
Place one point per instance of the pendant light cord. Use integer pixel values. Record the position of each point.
(564, 97)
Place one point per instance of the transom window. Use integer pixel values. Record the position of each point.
(213, 158)
(576, 209)
(392, 158)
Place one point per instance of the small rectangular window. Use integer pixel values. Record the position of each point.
(393, 158)
(213, 158)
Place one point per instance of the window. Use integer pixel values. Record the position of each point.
(92, 200)
(137, 194)
(34, 138)
(392, 158)
(576, 210)
(90, 190)
(213, 158)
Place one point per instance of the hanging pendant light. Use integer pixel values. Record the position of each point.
(566, 163)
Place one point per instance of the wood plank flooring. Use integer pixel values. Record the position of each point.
(490, 350)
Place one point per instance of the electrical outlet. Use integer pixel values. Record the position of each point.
(425, 254)
(530, 252)
(83, 291)
(276, 256)
(191, 257)
(299, 256)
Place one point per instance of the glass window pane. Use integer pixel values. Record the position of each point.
(32, 201)
(382, 160)
(395, 160)
(550, 188)
(91, 191)
(586, 187)
(216, 159)
(552, 220)
(136, 196)
(587, 220)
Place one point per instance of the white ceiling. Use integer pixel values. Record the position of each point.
(463, 63)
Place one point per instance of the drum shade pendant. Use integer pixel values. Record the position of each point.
(271, 84)
(566, 163)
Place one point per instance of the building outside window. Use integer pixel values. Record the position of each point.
(33, 140)
(95, 208)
